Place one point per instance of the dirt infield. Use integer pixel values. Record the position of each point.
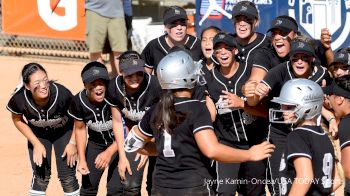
(15, 166)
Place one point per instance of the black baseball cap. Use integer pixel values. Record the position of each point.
(285, 23)
(225, 38)
(335, 89)
(341, 57)
(93, 71)
(245, 8)
(299, 46)
(131, 66)
(174, 13)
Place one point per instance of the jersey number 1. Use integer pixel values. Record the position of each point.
(167, 151)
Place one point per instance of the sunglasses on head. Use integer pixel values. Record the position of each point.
(138, 74)
(175, 23)
(279, 32)
(304, 58)
(219, 50)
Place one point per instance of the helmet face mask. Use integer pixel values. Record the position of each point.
(286, 115)
(300, 99)
(178, 70)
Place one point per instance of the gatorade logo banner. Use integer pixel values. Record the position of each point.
(45, 18)
(311, 15)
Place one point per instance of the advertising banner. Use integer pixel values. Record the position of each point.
(63, 19)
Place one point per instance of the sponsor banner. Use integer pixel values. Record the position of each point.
(44, 18)
(311, 15)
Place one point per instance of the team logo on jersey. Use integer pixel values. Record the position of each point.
(100, 126)
(51, 123)
(248, 118)
(313, 15)
(133, 114)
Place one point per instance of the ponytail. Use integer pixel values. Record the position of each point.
(167, 117)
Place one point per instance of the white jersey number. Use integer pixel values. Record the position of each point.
(167, 151)
(327, 169)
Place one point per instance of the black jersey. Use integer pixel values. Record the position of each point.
(180, 163)
(206, 72)
(344, 141)
(344, 134)
(157, 48)
(246, 52)
(279, 75)
(134, 105)
(51, 117)
(98, 118)
(266, 58)
(229, 125)
(313, 143)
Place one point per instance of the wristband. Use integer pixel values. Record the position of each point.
(331, 118)
(72, 142)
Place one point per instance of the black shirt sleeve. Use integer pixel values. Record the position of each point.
(201, 119)
(297, 146)
(145, 123)
(75, 110)
(147, 56)
(261, 59)
(16, 103)
(112, 97)
(275, 76)
(344, 132)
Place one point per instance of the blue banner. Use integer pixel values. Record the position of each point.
(311, 15)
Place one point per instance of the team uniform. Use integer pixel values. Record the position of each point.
(52, 126)
(275, 79)
(157, 48)
(310, 142)
(98, 119)
(344, 141)
(258, 127)
(231, 126)
(135, 106)
(181, 168)
(206, 72)
(266, 58)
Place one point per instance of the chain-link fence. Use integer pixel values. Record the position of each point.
(41, 47)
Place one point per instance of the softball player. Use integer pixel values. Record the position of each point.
(46, 125)
(233, 121)
(89, 109)
(308, 159)
(301, 65)
(339, 92)
(132, 93)
(246, 19)
(175, 22)
(208, 63)
(184, 137)
(341, 63)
